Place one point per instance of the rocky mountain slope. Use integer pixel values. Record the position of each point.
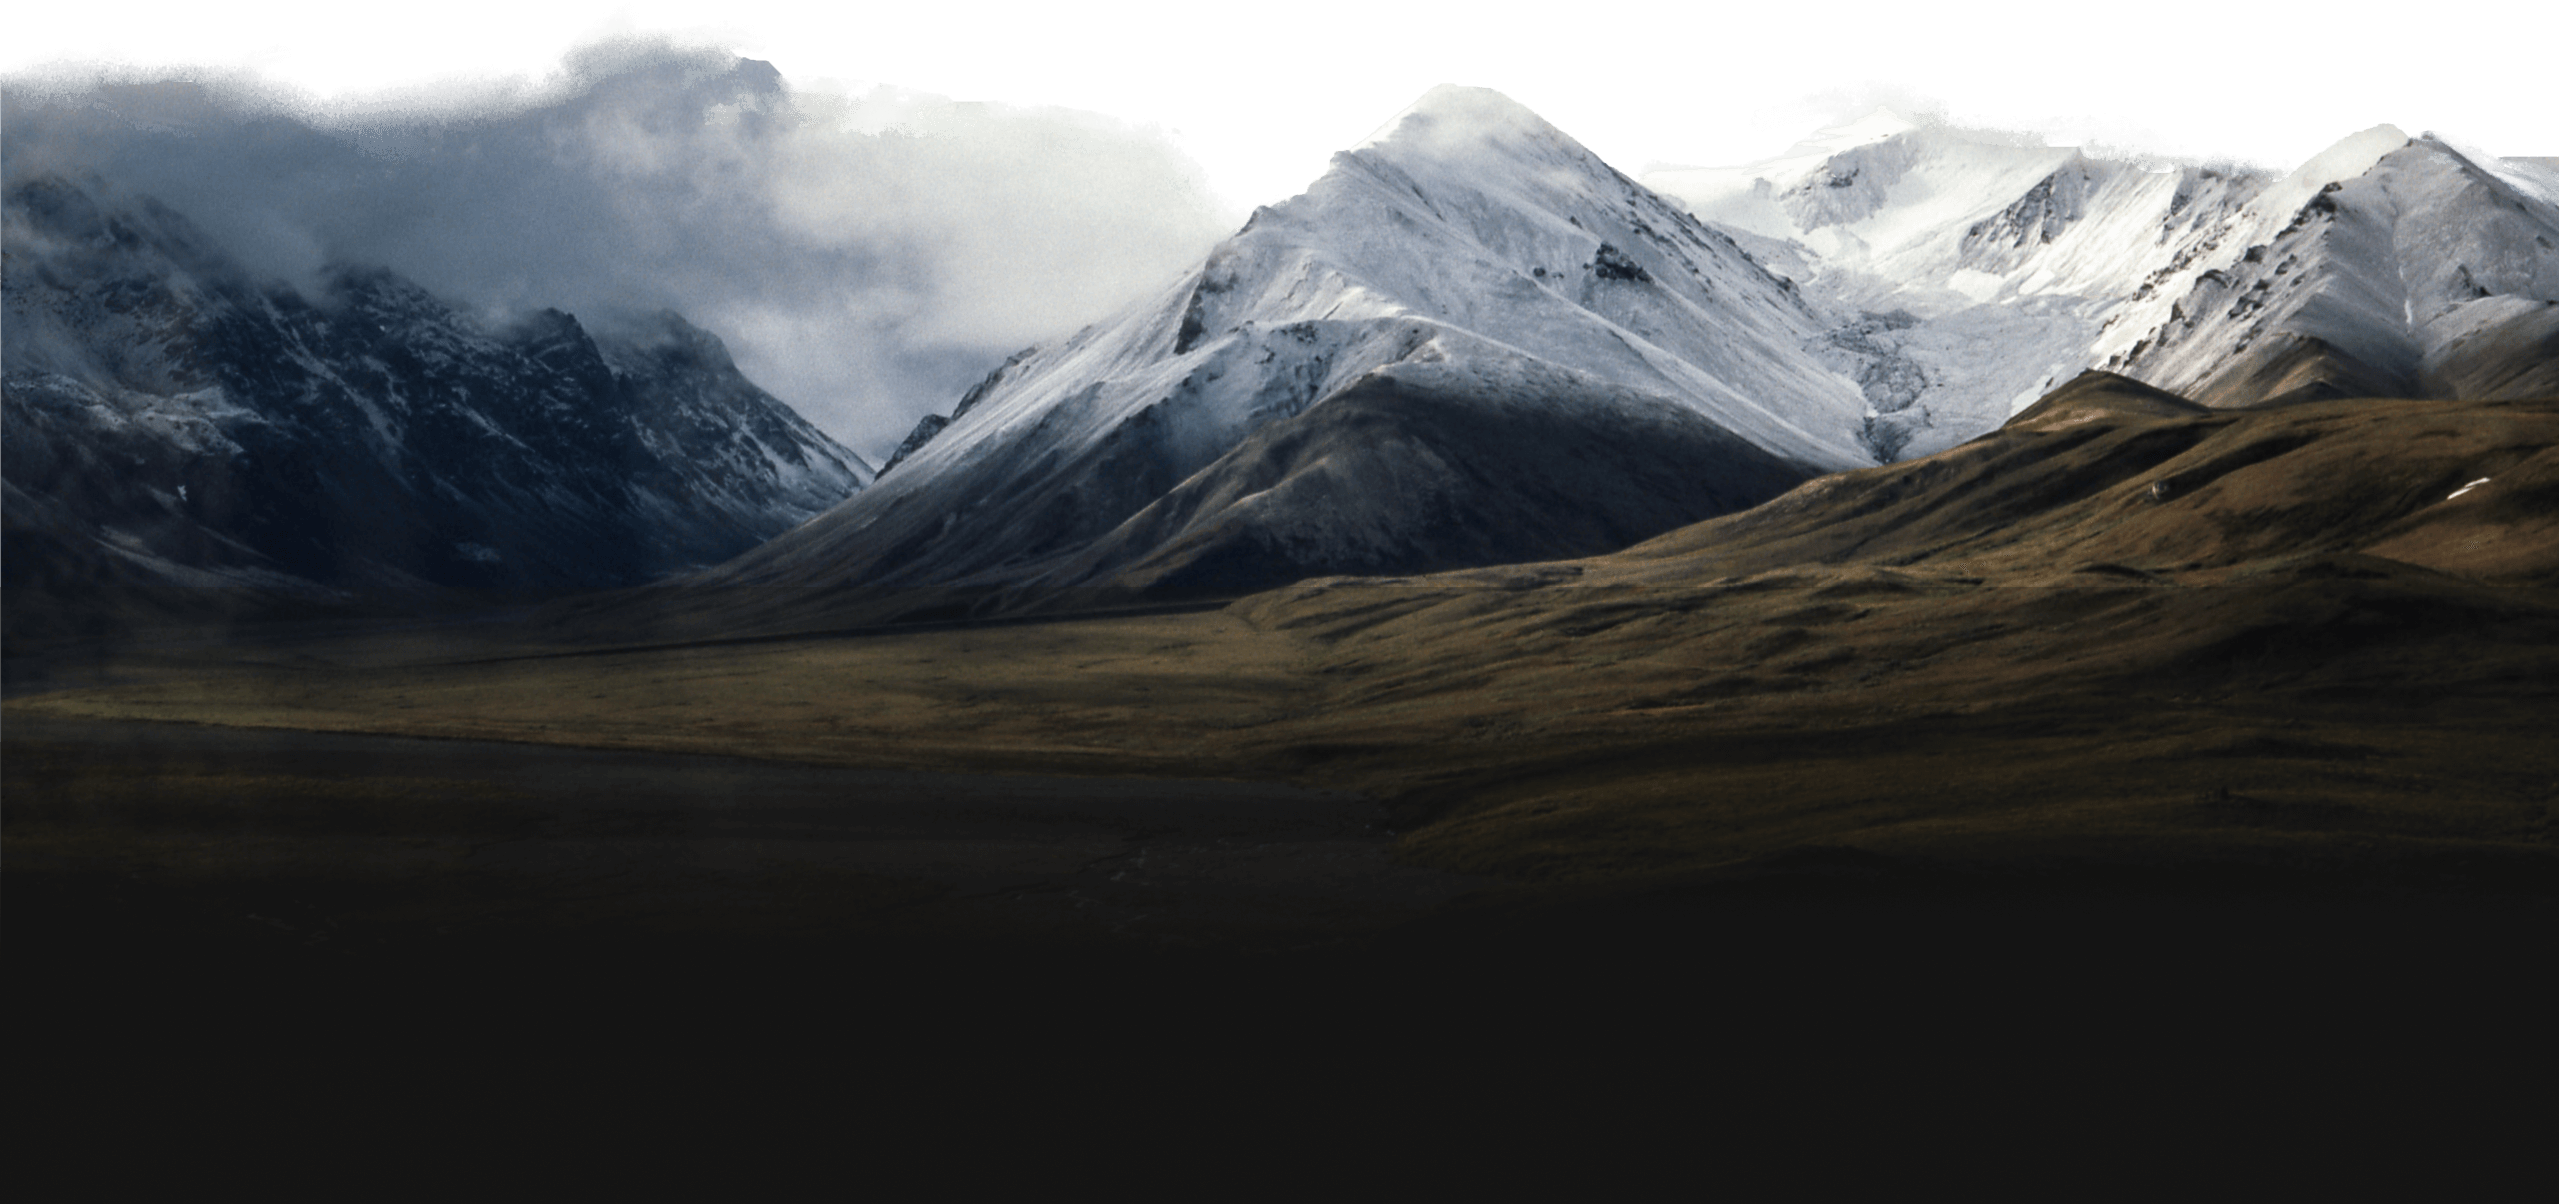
(2432, 272)
(1470, 340)
(1970, 272)
(1368, 377)
(172, 420)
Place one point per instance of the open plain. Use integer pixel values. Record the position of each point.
(2014, 727)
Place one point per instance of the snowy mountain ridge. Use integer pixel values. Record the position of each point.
(1887, 289)
(2425, 273)
(1468, 240)
(172, 419)
(1973, 271)
(1473, 217)
(1470, 341)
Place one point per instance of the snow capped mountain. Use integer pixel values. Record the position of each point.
(1969, 272)
(2429, 272)
(170, 419)
(1470, 341)
(1469, 270)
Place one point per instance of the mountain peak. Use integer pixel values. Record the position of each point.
(2350, 156)
(495, 450)
(1453, 115)
(1874, 116)
(1447, 101)
(658, 341)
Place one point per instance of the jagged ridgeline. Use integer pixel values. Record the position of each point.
(172, 419)
(1471, 341)
(1970, 272)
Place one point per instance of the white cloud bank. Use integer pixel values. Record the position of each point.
(865, 256)
(1887, 106)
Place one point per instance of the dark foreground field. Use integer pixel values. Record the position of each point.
(1231, 889)
(2104, 798)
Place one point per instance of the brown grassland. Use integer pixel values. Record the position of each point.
(2019, 648)
(2120, 650)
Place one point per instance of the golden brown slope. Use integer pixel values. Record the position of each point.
(2018, 653)
(2105, 471)
(2081, 636)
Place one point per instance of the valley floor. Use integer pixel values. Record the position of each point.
(1049, 870)
(1486, 832)
(1518, 738)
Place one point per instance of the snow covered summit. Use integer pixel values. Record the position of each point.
(1970, 271)
(2431, 271)
(1471, 340)
(1469, 265)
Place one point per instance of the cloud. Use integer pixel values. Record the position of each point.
(865, 256)
(1846, 103)
(1841, 103)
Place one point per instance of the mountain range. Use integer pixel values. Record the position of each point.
(173, 420)
(1470, 342)
(1972, 272)
(1949, 555)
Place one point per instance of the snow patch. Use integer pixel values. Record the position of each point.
(1978, 285)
